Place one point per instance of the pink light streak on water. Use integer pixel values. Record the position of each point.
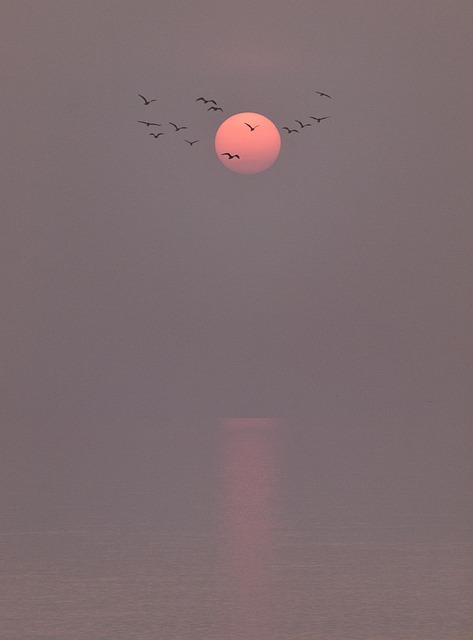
(249, 472)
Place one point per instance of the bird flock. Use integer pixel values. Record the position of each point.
(303, 125)
(215, 108)
(175, 128)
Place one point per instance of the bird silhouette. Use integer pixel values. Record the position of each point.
(149, 124)
(191, 142)
(176, 127)
(147, 101)
(230, 155)
(291, 130)
(251, 128)
(321, 93)
(319, 119)
(156, 135)
(309, 124)
(206, 101)
(215, 109)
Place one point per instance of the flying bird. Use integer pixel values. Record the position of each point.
(147, 101)
(176, 127)
(215, 109)
(321, 93)
(319, 119)
(291, 130)
(191, 142)
(206, 101)
(309, 124)
(252, 128)
(230, 155)
(156, 135)
(148, 124)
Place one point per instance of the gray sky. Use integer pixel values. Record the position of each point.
(141, 278)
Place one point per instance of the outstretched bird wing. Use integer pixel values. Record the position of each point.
(147, 101)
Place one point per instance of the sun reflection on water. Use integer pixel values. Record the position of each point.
(249, 486)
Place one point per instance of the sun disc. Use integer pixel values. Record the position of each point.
(247, 143)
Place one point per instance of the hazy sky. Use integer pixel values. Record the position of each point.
(141, 278)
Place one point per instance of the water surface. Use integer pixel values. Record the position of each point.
(248, 559)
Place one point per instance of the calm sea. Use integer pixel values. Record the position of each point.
(243, 547)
